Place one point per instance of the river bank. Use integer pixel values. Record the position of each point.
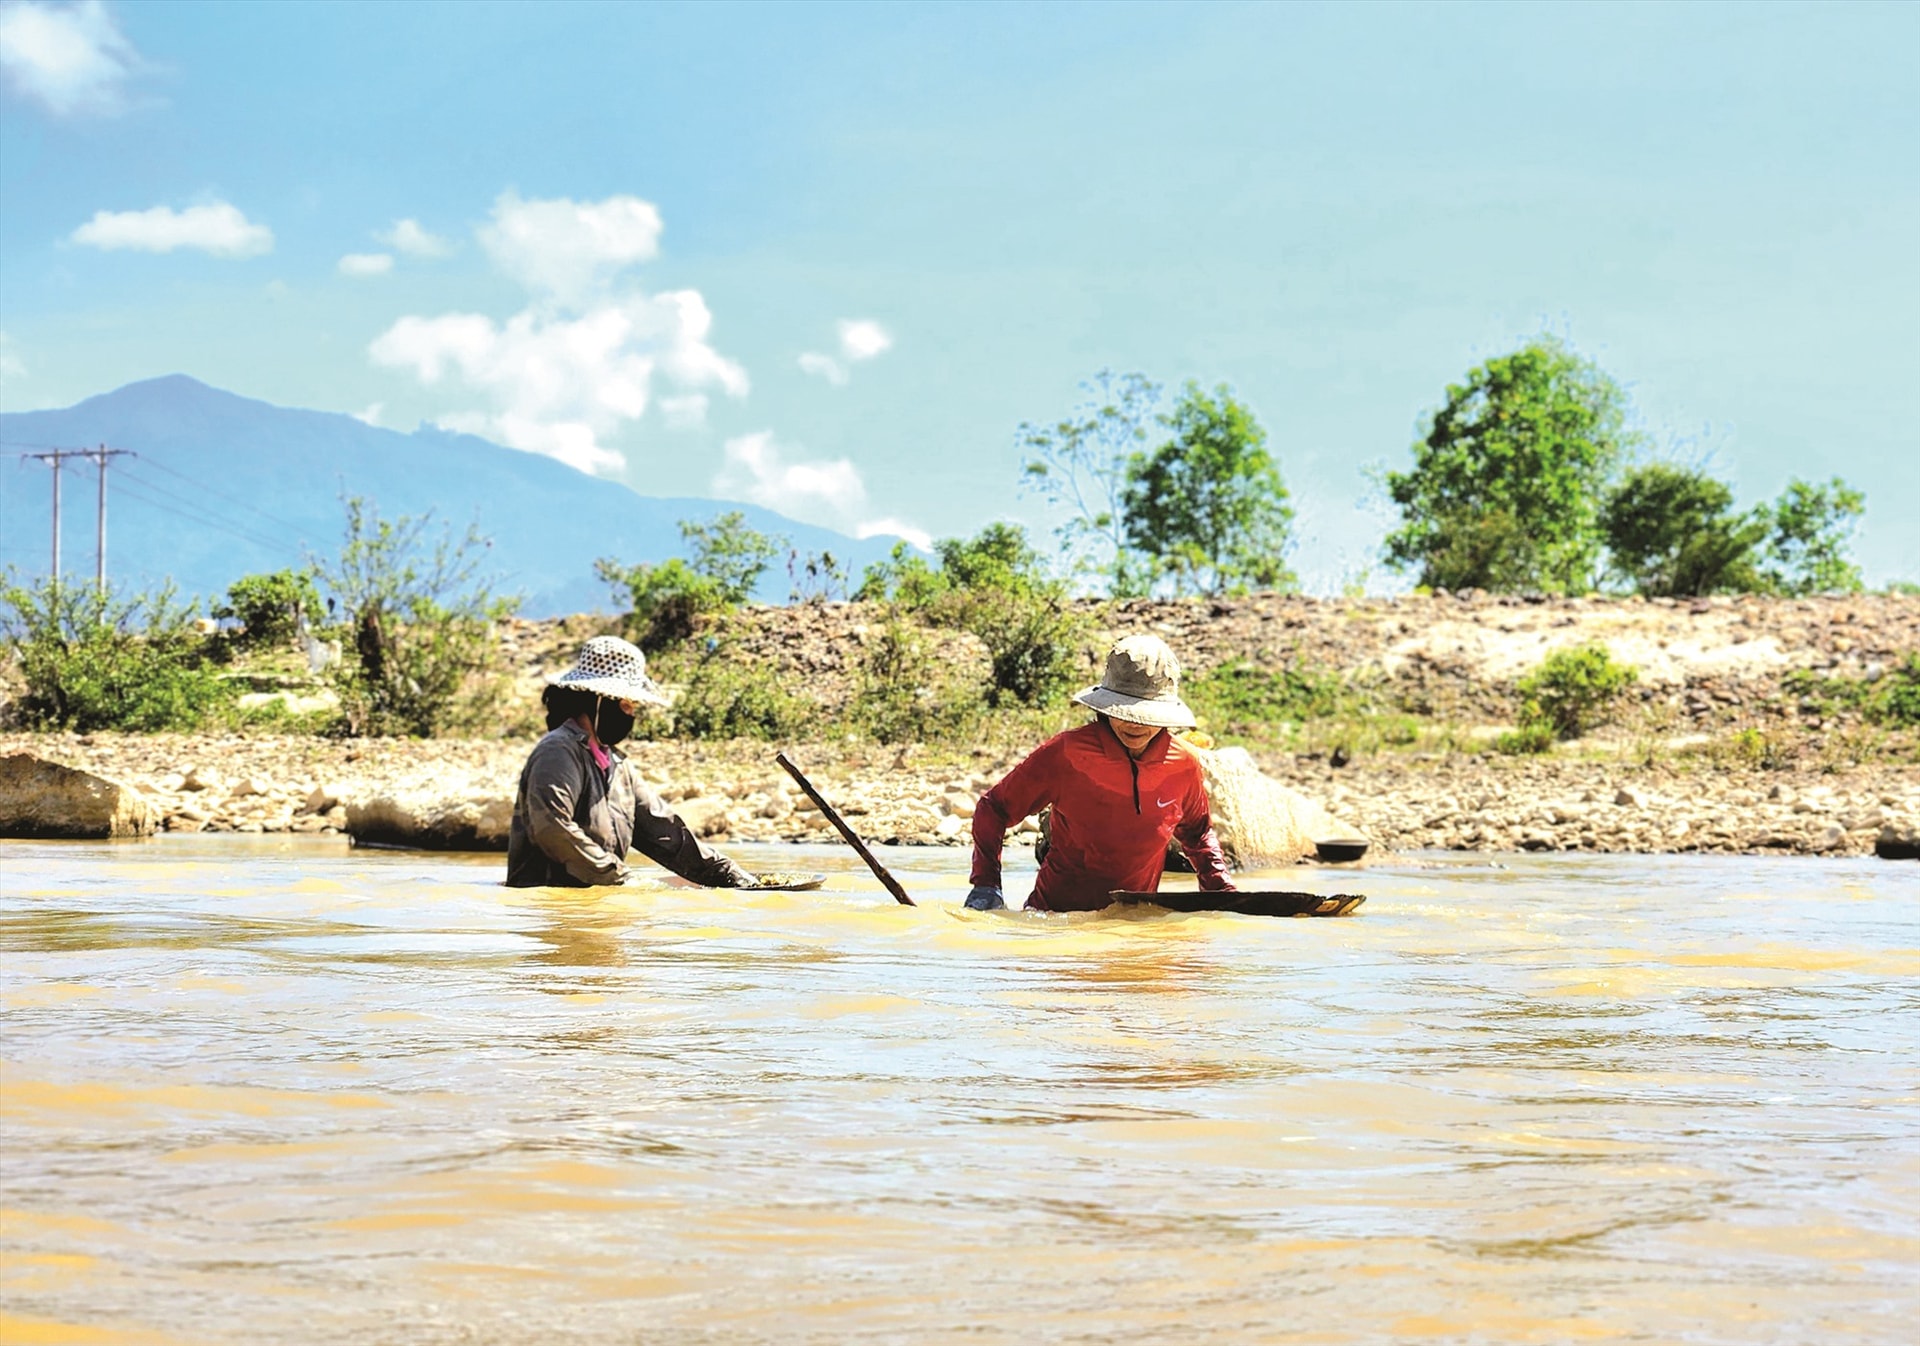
(1745, 731)
(912, 796)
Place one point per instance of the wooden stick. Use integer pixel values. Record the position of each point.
(827, 811)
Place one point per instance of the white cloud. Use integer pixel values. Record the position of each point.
(860, 339)
(71, 59)
(557, 382)
(687, 412)
(757, 469)
(566, 250)
(825, 366)
(407, 236)
(863, 338)
(581, 361)
(919, 537)
(371, 416)
(217, 228)
(11, 366)
(366, 264)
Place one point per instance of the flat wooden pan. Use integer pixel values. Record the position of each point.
(1248, 902)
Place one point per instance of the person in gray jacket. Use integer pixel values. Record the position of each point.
(579, 809)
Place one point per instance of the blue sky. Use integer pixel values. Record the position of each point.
(829, 257)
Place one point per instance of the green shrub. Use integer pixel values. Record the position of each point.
(666, 600)
(1891, 700)
(1239, 697)
(722, 696)
(269, 607)
(904, 580)
(92, 661)
(1533, 736)
(420, 621)
(1896, 697)
(1573, 690)
(905, 694)
(996, 586)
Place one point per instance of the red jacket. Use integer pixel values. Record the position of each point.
(1112, 816)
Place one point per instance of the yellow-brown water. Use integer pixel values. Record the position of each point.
(281, 1092)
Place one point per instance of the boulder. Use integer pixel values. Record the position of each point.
(1261, 822)
(705, 816)
(1898, 841)
(431, 820)
(44, 799)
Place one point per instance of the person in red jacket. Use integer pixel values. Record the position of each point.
(1120, 788)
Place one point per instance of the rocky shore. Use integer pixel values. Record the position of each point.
(1655, 783)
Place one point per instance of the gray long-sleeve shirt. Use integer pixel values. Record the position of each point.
(573, 824)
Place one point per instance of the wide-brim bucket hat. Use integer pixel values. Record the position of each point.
(1141, 685)
(610, 666)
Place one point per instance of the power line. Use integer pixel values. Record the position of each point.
(151, 461)
(186, 509)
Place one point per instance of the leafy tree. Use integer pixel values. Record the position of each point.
(93, 661)
(1809, 528)
(1079, 465)
(422, 618)
(996, 586)
(904, 579)
(664, 600)
(732, 555)
(1672, 532)
(269, 607)
(1507, 481)
(1208, 507)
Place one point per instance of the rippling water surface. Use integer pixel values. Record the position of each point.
(277, 1091)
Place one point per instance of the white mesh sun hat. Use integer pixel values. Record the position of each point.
(610, 666)
(1141, 685)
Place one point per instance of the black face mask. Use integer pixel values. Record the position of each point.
(611, 725)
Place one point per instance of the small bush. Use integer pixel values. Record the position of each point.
(664, 602)
(1533, 736)
(906, 695)
(269, 607)
(995, 586)
(1573, 690)
(1892, 700)
(92, 661)
(1895, 700)
(722, 696)
(424, 660)
(1238, 697)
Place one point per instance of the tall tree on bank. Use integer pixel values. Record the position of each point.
(1672, 532)
(1810, 526)
(1507, 482)
(1079, 466)
(1208, 508)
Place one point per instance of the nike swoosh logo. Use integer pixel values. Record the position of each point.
(1167, 803)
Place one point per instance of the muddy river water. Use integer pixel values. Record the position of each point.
(277, 1091)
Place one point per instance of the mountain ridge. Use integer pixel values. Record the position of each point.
(221, 485)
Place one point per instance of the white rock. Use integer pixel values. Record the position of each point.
(1259, 821)
(706, 817)
(45, 799)
(958, 805)
(948, 827)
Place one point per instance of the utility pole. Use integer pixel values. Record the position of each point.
(57, 459)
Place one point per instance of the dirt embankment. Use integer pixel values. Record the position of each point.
(1672, 774)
